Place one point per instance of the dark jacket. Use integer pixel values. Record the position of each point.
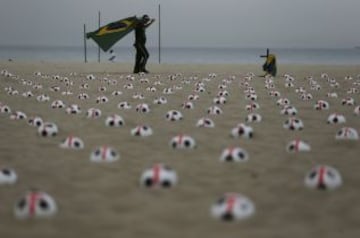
(140, 36)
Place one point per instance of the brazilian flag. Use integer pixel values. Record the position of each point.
(107, 36)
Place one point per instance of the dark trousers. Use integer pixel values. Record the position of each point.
(141, 58)
(270, 68)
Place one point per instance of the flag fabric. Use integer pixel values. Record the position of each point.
(106, 36)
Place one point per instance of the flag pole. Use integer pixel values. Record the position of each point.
(85, 56)
(99, 46)
(159, 35)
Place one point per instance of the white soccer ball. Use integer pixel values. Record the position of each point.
(57, 104)
(336, 118)
(72, 142)
(104, 154)
(35, 204)
(93, 113)
(73, 109)
(7, 176)
(159, 176)
(321, 105)
(187, 105)
(182, 142)
(101, 99)
(205, 122)
(160, 100)
(289, 110)
(219, 100)
(48, 129)
(242, 130)
(297, 146)
(214, 110)
(35, 121)
(18, 116)
(348, 101)
(143, 108)
(174, 115)
(323, 177)
(124, 105)
(234, 154)
(142, 131)
(293, 124)
(232, 207)
(347, 133)
(114, 121)
(253, 117)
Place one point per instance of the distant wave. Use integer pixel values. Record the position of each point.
(181, 55)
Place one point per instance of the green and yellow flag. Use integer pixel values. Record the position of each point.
(107, 36)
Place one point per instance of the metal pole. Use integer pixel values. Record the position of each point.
(99, 46)
(159, 36)
(85, 56)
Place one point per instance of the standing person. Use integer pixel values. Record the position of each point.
(112, 56)
(142, 55)
(269, 66)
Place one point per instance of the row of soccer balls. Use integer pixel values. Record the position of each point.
(229, 207)
(174, 115)
(220, 99)
(231, 154)
(241, 130)
(294, 123)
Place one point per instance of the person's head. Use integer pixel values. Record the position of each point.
(145, 18)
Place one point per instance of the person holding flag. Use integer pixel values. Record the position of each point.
(142, 54)
(106, 36)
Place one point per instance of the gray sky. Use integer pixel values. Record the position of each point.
(189, 23)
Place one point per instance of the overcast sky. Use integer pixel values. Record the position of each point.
(188, 23)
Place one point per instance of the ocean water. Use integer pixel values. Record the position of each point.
(186, 55)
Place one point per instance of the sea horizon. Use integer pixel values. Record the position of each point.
(91, 45)
(185, 54)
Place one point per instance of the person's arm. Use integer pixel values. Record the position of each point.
(149, 23)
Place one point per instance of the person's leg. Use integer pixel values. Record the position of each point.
(145, 58)
(138, 59)
(274, 71)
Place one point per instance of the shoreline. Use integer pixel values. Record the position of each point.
(29, 66)
(188, 55)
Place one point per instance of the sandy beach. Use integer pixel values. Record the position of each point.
(106, 199)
